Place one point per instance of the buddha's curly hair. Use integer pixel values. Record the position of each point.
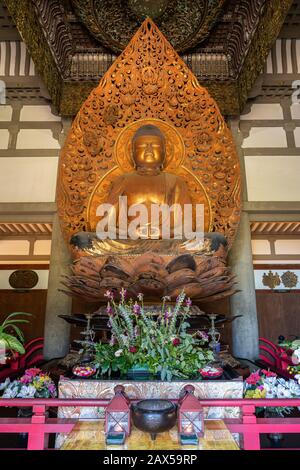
(149, 129)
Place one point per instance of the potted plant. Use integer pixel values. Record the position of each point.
(11, 337)
(160, 346)
(266, 384)
(33, 384)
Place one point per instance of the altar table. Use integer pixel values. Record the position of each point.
(89, 435)
(137, 390)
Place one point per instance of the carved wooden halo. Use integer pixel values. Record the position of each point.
(169, 92)
(175, 148)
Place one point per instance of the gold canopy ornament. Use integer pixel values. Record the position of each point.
(148, 82)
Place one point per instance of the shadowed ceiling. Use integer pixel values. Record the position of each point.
(74, 42)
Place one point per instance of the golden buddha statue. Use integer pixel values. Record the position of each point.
(141, 190)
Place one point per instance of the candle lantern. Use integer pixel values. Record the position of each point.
(190, 420)
(117, 417)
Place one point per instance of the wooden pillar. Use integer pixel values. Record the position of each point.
(57, 331)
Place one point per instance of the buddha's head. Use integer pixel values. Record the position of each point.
(148, 146)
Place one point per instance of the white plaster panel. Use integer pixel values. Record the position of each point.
(28, 179)
(277, 261)
(261, 111)
(295, 110)
(4, 139)
(14, 247)
(36, 139)
(261, 247)
(273, 178)
(297, 136)
(5, 113)
(258, 275)
(287, 247)
(42, 247)
(37, 113)
(266, 137)
(42, 283)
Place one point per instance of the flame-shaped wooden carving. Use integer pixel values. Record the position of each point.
(149, 82)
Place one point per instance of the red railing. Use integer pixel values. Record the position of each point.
(39, 426)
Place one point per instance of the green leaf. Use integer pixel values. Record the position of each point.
(15, 314)
(13, 343)
(19, 333)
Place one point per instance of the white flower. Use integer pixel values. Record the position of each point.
(11, 391)
(5, 384)
(118, 353)
(294, 388)
(297, 377)
(283, 392)
(27, 391)
(270, 381)
(296, 357)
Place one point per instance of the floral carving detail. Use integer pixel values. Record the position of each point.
(195, 110)
(150, 80)
(111, 114)
(92, 142)
(203, 141)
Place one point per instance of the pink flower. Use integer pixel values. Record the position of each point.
(268, 373)
(109, 310)
(26, 379)
(253, 378)
(203, 335)
(176, 342)
(109, 294)
(132, 349)
(52, 389)
(33, 371)
(136, 309)
(123, 293)
(188, 302)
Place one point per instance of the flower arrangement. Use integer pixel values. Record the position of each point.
(266, 384)
(295, 369)
(162, 345)
(33, 384)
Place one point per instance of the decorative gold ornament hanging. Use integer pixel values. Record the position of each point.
(289, 279)
(271, 280)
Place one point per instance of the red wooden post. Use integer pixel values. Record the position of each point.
(251, 439)
(37, 439)
(39, 415)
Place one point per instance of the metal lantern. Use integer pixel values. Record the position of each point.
(190, 419)
(117, 414)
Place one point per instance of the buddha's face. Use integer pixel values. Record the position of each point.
(148, 152)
